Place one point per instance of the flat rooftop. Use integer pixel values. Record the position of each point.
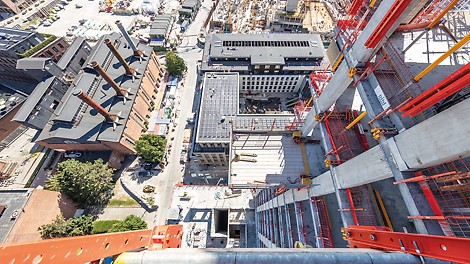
(197, 204)
(11, 36)
(242, 50)
(74, 119)
(14, 200)
(277, 158)
(42, 208)
(9, 100)
(219, 100)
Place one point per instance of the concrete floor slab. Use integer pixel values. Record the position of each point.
(278, 159)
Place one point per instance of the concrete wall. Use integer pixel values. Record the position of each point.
(439, 139)
(369, 166)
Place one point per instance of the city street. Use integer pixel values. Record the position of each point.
(165, 181)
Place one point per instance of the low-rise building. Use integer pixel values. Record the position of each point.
(17, 44)
(189, 10)
(10, 102)
(107, 107)
(47, 95)
(160, 30)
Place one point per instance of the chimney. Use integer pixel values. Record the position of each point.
(109, 80)
(129, 70)
(89, 101)
(137, 53)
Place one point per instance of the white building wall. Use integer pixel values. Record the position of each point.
(271, 83)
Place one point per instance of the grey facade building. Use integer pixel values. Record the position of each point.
(248, 83)
(12, 43)
(49, 93)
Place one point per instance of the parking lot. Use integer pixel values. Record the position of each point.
(71, 15)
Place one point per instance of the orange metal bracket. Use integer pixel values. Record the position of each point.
(84, 249)
(439, 247)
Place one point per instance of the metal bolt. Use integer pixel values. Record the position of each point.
(373, 237)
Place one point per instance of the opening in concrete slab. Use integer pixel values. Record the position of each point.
(267, 103)
(221, 221)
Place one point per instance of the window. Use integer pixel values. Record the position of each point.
(60, 45)
(129, 141)
(138, 117)
(81, 62)
(55, 49)
(54, 104)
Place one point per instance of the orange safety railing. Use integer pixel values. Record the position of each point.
(446, 187)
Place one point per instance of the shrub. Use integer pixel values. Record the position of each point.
(103, 226)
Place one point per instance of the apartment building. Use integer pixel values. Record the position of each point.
(274, 62)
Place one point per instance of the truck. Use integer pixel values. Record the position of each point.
(184, 25)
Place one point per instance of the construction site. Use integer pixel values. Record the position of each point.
(241, 16)
(369, 165)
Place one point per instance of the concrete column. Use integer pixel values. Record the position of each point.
(315, 220)
(281, 226)
(288, 225)
(335, 88)
(373, 107)
(309, 123)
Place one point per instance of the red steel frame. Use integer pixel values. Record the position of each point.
(386, 23)
(447, 190)
(396, 81)
(443, 89)
(325, 235)
(363, 208)
(445, 248)
(83, 249)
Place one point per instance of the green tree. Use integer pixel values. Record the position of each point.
(151, 147)
(85, 183)
(56, 229)
(103, 226)
(129, 223)
(66, 228)
(175, 64)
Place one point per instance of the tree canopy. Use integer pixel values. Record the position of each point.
(175, 64)
(60, 227)
(151, 147)
(86, 183)
(129, 223)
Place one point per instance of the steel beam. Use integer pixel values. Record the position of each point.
(271, 256)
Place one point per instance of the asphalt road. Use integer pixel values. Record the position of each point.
(173, 173)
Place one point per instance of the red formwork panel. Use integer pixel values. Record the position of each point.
(447, 190)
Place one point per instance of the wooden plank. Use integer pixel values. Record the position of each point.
(456, 187)
(451, 178)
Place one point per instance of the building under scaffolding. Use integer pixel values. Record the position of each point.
(391, 115)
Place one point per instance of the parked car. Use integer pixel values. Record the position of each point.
(149, 189)
(151, 166)
(78, 6)
(145, 173)
(183, 158)
(82, 21)
(46, 23)
(72, 154)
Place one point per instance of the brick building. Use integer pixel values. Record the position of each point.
(108, 105)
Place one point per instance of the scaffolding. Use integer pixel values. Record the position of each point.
(447, 190)
(361, 204)
(396, 82)
(346, 143)
(325, 235)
